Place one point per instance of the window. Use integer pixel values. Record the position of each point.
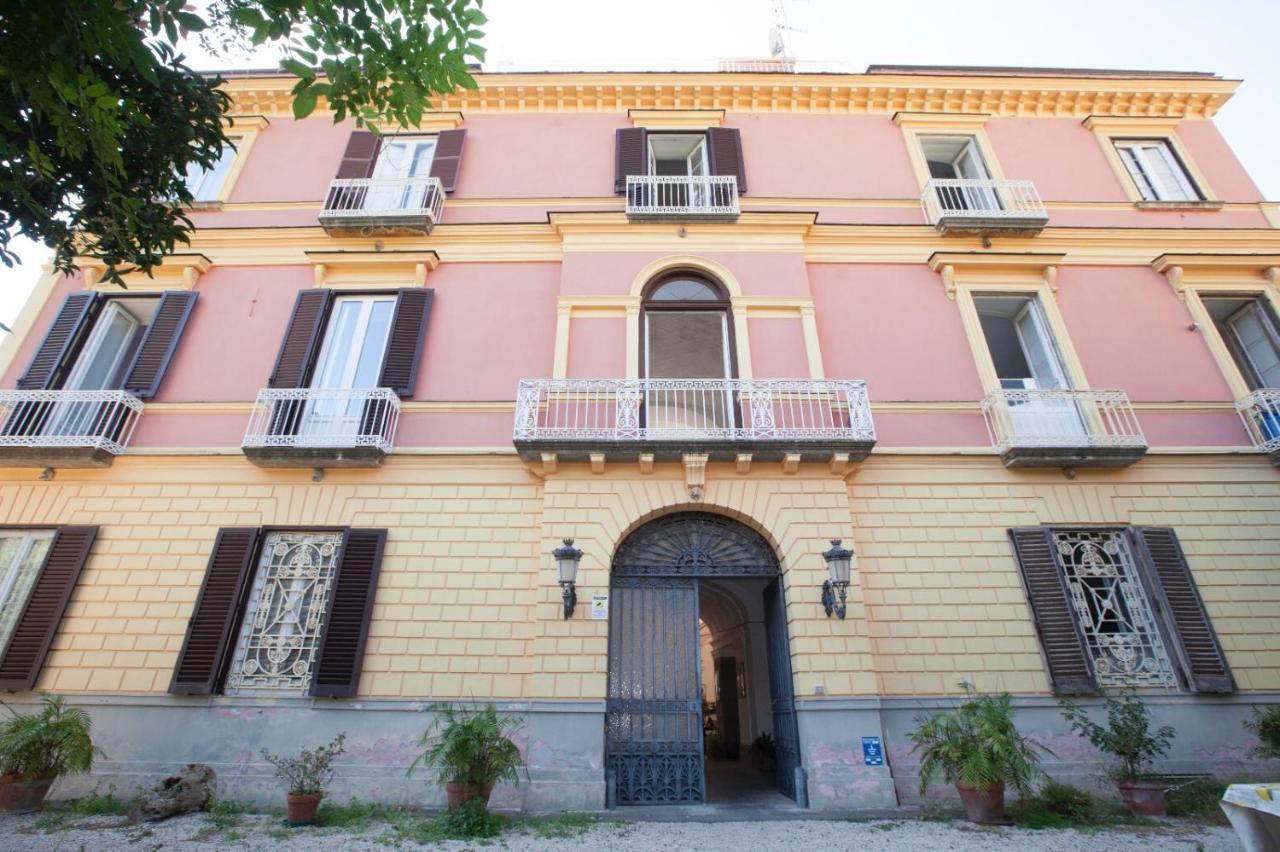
(1251, 333)
(1112, 609)
(400, 173)
(1155, 170)
(350, 358)
(283, 623)
(954, 163)
(22, 554)
(1118, 607)
(687, 336)
(206, 184)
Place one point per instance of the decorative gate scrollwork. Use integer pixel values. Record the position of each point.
(654, 708)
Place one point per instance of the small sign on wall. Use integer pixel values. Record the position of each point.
(872, 752)
(599, 607)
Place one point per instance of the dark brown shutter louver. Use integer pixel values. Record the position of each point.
(47, 364)
(1046, 589)
(38, 624)
(724, 148)
(346, 627)
(211, 630)
(361, 153)
(630, 156)
(447, 159)
(301, 339)
(159, 343)
(1175, 591)
(404, 342)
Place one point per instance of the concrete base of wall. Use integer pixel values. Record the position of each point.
(147, 738)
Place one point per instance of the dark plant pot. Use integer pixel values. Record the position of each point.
(1143, 798)
(303, 807)
(984, 808)
(23, 797)
(459, 793)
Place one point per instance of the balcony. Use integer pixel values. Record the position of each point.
(1064, 428)
(984, 207)
(322, 427)
(1260, 412)
(383, 206)
(65, 428)
(711, 198)
(622, 419)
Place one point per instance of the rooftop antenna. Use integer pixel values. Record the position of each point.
(779, 34)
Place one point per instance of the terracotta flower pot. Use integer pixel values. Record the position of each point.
(459, 793)
(1143, 798)
(23, 797)
(302, 808)
(984, 808)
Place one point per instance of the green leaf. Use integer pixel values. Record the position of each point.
(297, 68)
(304, 103)
(193, 23)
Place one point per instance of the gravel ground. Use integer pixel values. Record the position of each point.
(199, 832)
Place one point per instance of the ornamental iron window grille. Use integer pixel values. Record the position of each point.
(1122, 641)
(280, 635)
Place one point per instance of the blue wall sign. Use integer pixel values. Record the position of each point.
(872, 753)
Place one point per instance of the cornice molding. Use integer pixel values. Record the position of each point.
(1180, 97)
(372, 267)
(178, 272)
(676, 119)
(1184, 270)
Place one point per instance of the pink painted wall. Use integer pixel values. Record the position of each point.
(48, 311)
(1131, 332)
(894, 326)
(1217, 162)
(930, 429)
(292, 160)
(597, 348)
(1193, 429)
(777, 348)
(613, 273)
(539, 155)
(1059, 154)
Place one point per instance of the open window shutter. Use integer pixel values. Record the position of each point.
(1051, 608)
(404, 342)
(631, 155)
(447, 159)
(1175, 592)
(38, 624)
(211, 630)
(724, 146)
(159, 343)
(358, 159)
(346, 626)
(301, 339)
(50, 359)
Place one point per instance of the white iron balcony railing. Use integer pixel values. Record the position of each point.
(657, 196)
(89, 419)
(323, 418)
(1012, 203)
(371, 202)
(1260, 412)
(1062, 419)
(730, 410)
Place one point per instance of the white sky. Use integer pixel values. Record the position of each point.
(1234, 38)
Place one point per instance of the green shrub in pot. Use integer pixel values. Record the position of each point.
(1133, 746)
(471, 750)
(39, 747)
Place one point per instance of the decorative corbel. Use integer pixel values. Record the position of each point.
(949, 280)
(318, 273)
(1273, 276)
(1051, 278)
(695, 474)
(1174, 274)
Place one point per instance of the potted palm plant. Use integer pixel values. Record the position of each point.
(1128, 738)
(977, 747)
(308, 775)
(38, 748)
(471, 750)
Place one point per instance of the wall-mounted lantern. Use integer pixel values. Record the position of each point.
(567, 559)
(839, 566)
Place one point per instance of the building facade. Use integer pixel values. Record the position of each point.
(1008, 336)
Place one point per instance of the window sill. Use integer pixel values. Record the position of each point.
(203, 206)
(1178, 205)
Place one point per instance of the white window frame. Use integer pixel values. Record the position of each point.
(207, 184)
(392, 190)
(97, 336)
(10, 575)
(1145, 153)
(1269, 330)
(351, 358)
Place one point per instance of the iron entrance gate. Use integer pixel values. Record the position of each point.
(654, 708)
(786, 733)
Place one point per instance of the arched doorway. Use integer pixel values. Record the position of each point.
(654, 716)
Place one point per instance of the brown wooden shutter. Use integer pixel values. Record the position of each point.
(301, 339)
(346, 626)
(630, 156)
(1046, 588)
(724, 149)
(447, 159)
(1174, 591)
(361, 153)
(50, 360)
(38, 624)
(159, 343)
(404, 342)
(212, 628)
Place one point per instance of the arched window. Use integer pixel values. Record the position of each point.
(685, 329)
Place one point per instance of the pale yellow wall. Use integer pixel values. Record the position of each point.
(468, 605)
